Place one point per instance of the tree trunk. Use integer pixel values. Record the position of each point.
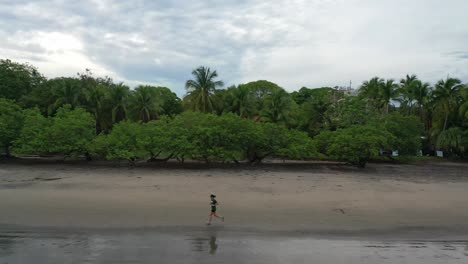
(154, 159)
(421, 112)
(362, 162)
(132, 162)
(153, 156)
(98, 127)
(7, 152)
(445, 123)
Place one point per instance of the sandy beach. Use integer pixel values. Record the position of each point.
(311, 198)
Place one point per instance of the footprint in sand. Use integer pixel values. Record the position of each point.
(342, 211)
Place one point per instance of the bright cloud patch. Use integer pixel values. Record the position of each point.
(294, 43)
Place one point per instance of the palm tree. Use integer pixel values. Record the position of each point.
(388, 91)
(118, 99)
(277, 106)
(422, 92)
(463, 109)
(407, 91)
(452, 140)
(242, 101)
(95, 100)
(446, 94)
(201, 89)
(145, 103)
(66, 91)
(95, 91)
(220, 101)
(371, 90)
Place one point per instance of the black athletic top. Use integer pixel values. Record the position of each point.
(213, 204)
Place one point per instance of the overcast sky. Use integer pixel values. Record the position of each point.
(293, 43)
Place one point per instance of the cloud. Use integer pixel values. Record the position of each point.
(294, 43)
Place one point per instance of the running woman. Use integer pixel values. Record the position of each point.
(213, 204)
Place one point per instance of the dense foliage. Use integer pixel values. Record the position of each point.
(356, 144)
(69, 132)
(207, 137)
(11, 121)
(98, 118)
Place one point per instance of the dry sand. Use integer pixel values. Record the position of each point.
(275, 197)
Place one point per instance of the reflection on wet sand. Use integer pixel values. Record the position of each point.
(203, 247)
(213, 245)
(6, 244)
(199, 243)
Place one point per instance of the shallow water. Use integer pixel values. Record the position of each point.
(213, 246)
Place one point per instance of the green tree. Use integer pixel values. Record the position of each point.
(41, 96)
(388, 92)
(11, 121)
(163, 139)
(201, 89)
(66, 91)
(206, 136)
(260, 90)
(371, 91)
(17, 80)
(117, 98)
(446, 97)
(34, 135)
(407, 92)
(229, 138)
(356, 144)
(302, 95)
(220, 99)
(453, 140)
(277, 106)
(379, 93)
(171, 105)
(69, 132)
(120, 144)
(241, 101)
(314, 113)
(422, 96)
(299, 146)
(269, 139)
(145, 103)
(96, 104)
(350, 111)
(406, 130)
(463, 109)
(212, 139)
(95, 99)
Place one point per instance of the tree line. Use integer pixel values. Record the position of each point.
(98, 118)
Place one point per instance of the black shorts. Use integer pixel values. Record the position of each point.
(213, 209)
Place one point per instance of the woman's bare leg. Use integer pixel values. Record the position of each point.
(210, 217)
(218, 216)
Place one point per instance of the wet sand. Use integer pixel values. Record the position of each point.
(275, 213)
(272, 198)
(218, 246)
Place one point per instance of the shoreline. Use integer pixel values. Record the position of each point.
(34, 160)
(408, 233)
